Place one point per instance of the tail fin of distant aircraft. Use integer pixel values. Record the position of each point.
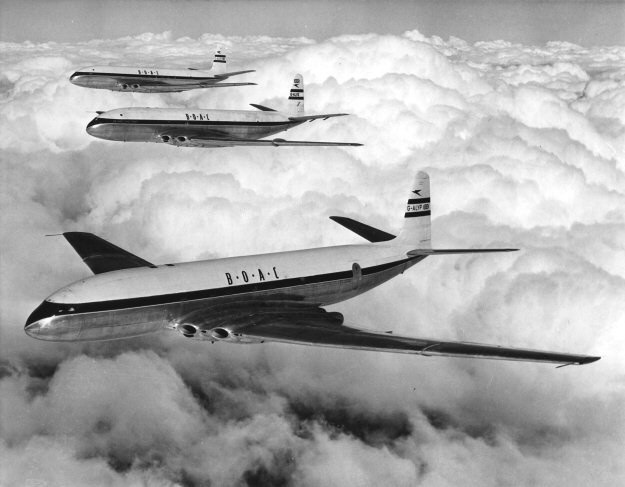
(219, 63)
(296, 96)
(417, 226)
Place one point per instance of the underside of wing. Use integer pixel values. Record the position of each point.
(309, 325)
(215, 140)
(102, 256)
(219, 84)
(234, 73)
(310, 118)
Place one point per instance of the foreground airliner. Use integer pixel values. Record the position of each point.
(275, 297)
(188, 127)
(156, 80)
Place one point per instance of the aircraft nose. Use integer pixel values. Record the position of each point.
(92, 127)
(33, 329)
(36, 324)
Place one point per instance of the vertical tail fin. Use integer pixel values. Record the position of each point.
(219, 63)
(296, 96)
(417, 227)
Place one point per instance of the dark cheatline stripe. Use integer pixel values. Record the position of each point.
(220, 61)
(297, 90)
(418, 200)
(137, 75)
(223, 291)
(417, 213)
(296, 97)
(97, 121)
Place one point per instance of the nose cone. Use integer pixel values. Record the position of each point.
(94, 127)
(48, 322)
(39, 319)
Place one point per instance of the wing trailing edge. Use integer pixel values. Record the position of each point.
(102, 256)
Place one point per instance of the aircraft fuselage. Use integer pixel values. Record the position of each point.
(170, 125)
(137, 301)
(142, 80)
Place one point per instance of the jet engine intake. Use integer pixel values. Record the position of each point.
(188, 330)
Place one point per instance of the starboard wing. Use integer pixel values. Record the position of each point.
(309, 325)
(215, 141)
(310, 118)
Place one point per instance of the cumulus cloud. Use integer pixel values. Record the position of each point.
(525, 146)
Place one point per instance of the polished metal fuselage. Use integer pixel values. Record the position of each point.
(165, 125)
(142, 80)
(145, 300)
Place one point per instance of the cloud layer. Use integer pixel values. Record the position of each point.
(525, 147)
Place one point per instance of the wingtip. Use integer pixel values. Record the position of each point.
(589, 360)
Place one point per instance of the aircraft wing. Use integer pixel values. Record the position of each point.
(310, 118)
(233, 73)
(309, 325)
(219, 84)
(210, 141)
(102, 256)
(365, 231)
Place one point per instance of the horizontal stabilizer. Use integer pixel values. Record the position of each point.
(262, 107)
(365, 231)
(310, 118)
(417, 252)
(102, 256)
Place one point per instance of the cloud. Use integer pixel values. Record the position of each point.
(525, 146)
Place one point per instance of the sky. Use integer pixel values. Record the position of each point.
(599, 22)
(525, 147)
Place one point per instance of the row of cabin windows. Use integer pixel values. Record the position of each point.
(199, 116)
(145, 71)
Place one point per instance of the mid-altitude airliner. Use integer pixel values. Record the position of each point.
(156, 80)
(276, 297)
(188, 127)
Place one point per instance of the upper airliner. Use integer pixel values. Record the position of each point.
(257, 298)
(190, 127)
(156, 80)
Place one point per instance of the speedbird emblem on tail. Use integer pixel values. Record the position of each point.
(277, 297)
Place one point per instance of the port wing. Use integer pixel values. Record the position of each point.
(365, 231)
(102, 256)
